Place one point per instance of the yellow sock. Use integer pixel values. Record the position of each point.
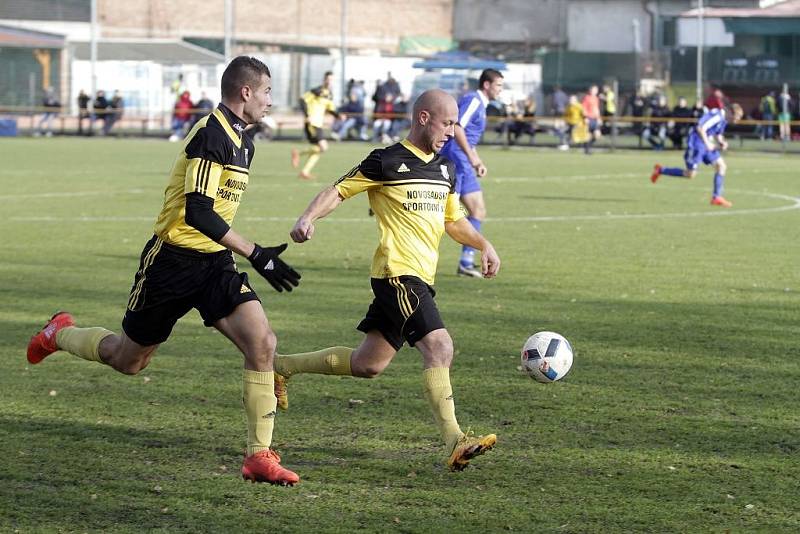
(82, 342)
(439, 394)
(330, 361)
(260, 405)
(312, 160)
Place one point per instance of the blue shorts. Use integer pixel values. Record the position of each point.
(694, 155)
(466, 179)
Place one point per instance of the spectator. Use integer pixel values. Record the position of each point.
(115, 113)
(769, 110)
(680, 129)
(637, 108)
(382, 122)
(51, 108)
(353, 112)
(715, 100)
(785, 115)
(559, 108)
(608, 106)
(100, 110)
(181, 116)
(400, 119)
(497, 118)
(577, 129)
(591, 112)
(203, 107)
(524, 122)
(83, 112)
(656, 132)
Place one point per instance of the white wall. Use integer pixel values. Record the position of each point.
(606, 26)
(714, 33)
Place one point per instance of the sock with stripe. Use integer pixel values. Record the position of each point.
(672, 171)
(82, 342)
(330, 361)
(468, 253)
(260, 406)
(439, 394)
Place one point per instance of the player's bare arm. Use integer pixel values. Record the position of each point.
(324, 203)
(463, 232)
(472, 154)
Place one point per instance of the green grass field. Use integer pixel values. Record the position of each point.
(680, 413)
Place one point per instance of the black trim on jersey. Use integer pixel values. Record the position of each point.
(382, 163)
(237, 124)
(201, 216)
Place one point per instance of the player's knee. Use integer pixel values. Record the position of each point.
(323, 146)
(721, 167)
(367, 370)
(691, 174)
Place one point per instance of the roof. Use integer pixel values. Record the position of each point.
(20, 38)
(787, 8)
(458, 60)
(158, 50)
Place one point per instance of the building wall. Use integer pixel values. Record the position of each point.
(607, 26)
(313, 23)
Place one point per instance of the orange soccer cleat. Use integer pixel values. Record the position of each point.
(43, 344)
(656, 173)
(720, 201)
(265, 466)
(467, 448)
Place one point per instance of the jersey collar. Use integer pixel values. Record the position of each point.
(417, 152)
(232, 124)
(483, 97)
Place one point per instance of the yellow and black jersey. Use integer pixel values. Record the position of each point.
(315, 103)
(412, 195)
(214, 162)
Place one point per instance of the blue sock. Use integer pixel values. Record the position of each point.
(672, 171)
(718, 179)
(468, 253)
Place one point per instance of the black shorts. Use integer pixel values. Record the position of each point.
(172, 280)
(314, 134)
(403, 309)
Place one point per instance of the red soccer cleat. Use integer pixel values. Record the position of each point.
(265, 466)
(656, 173)
(720, 201)
(43, 344)
(295, 158)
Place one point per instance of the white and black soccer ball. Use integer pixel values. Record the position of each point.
(546, 357)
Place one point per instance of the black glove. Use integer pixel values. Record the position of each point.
(277, 272)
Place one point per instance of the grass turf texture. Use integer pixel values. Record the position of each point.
(680, 413)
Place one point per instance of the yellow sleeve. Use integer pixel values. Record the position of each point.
(202, 176)
(330, 107)
(354, 183)
(453, 210)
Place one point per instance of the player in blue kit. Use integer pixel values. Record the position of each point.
(469, 167)
(700, 147)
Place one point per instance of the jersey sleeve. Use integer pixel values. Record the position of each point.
(467, 110)
(205, 154)
(365, 176)
(453, 210)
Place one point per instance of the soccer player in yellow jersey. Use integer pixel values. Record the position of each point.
(315, 103)
(188, 264)
(411, 189)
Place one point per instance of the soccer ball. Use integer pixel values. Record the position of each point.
(546, 357)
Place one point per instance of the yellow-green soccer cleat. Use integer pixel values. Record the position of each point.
(467, 448)
(281, 391)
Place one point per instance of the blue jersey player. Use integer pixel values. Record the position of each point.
(700, 148)
(461, 150)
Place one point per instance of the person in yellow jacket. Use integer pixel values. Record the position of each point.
(577, 127)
